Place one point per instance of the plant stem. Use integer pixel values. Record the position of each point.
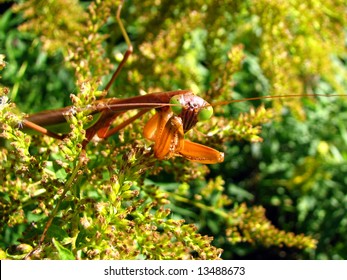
(67, 187)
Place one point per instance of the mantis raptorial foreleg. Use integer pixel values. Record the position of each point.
(166, 130)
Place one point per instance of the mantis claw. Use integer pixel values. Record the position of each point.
(167, 131)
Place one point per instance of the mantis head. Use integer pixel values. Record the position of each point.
(191, 109)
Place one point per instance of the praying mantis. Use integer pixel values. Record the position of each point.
(176, 113)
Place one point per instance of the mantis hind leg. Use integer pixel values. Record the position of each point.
(128, 52)
(42, 130)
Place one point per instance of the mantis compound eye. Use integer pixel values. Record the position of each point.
(175, 100)
(205, 113)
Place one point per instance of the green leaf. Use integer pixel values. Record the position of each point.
(64, 254)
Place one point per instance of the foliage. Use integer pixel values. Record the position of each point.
(116, 201)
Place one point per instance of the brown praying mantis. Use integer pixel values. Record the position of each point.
(176, 113)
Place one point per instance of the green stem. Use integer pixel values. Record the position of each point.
(198, 204)
(66, 189)
(56, 208)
